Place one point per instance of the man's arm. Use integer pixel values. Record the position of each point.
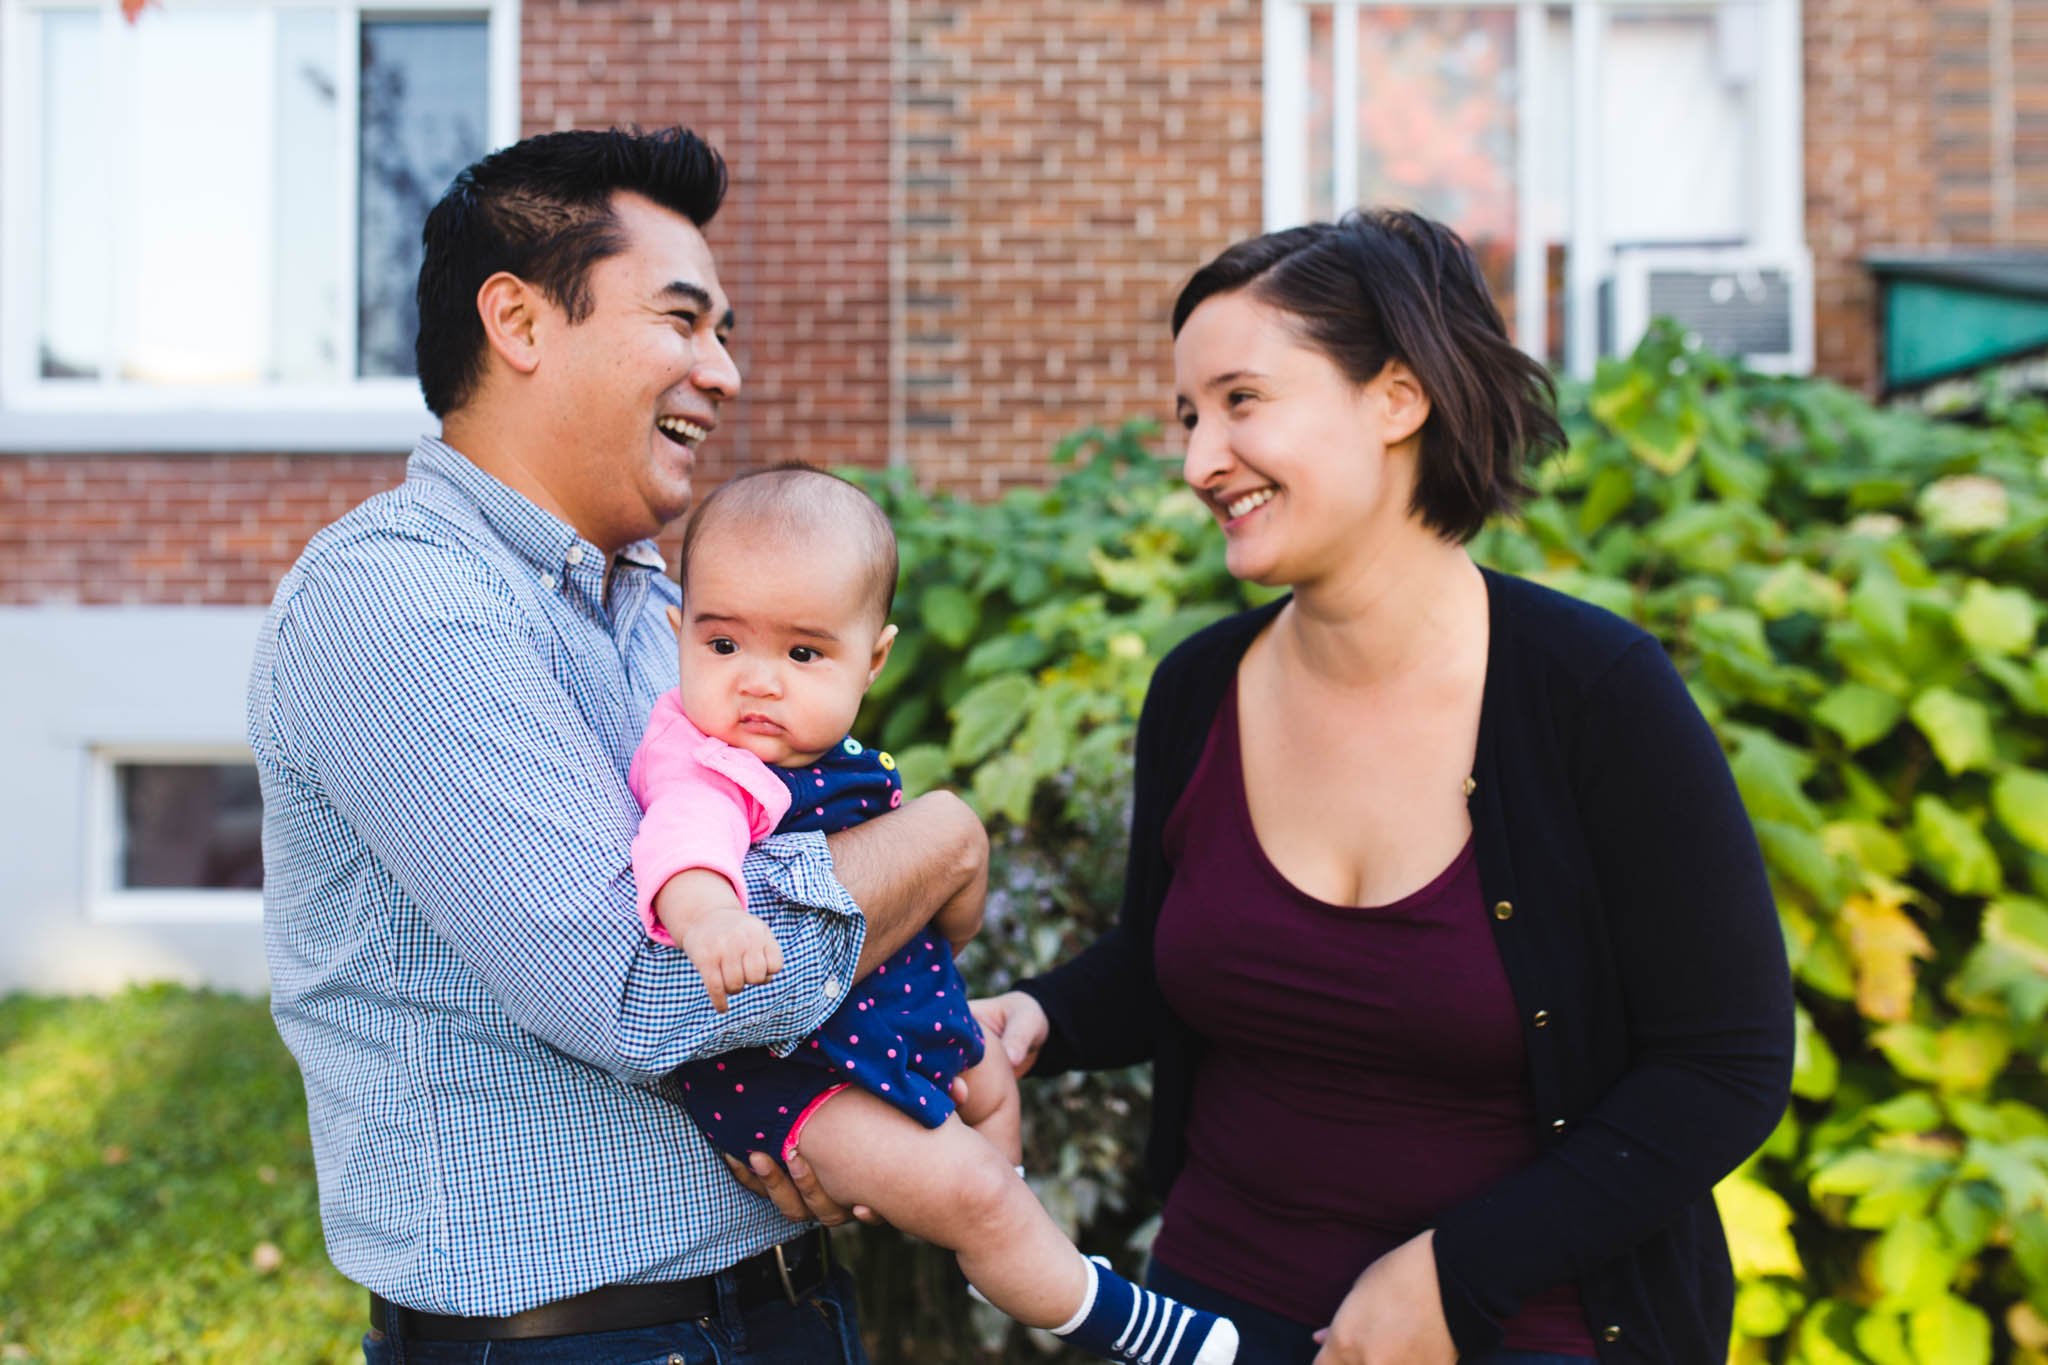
(431, 724)
(904, 867)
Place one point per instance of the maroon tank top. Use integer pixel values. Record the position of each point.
(1364, 1070)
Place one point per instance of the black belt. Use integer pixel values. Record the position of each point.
(787, 1272)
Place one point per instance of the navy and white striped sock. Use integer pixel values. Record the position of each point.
(1120, 1321)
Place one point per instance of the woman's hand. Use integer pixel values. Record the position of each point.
(1017, 1022)
(798, 1195)
(1394, 1314)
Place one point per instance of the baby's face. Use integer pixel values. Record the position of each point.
(779, 644)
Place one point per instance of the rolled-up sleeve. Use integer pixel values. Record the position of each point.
(448, 746)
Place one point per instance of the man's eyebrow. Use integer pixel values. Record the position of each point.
(699, 295)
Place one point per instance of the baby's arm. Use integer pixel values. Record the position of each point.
(730, 949)
(695, 828)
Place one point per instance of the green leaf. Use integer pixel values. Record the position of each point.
(1912, 1261)
(1954, 848)
(1860, 715)
(1997, 620)
(1912, 1049)
(1769, 773)
(1869, 845)
(2020, 924)
(923, 768)
(988, 715)
(1010, 652)
(1801, 856)
(1881, 1337)
(1792, 588)
(1968, 1212)
(1612, 489)
(1915, 1111)
(1004, 786)
(1826, 1335)
(1950, 1331)
(1764, 1308)
(948, 613)
(1759, 1226)
(1958, 727)
(1815, 1072)
(2020, 800)
(1878, 604)
(1971, 1053)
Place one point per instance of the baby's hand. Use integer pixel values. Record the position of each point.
(731, 950)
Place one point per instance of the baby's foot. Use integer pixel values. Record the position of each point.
(1122, 1322)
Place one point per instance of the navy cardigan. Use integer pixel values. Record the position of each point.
(1629, 903)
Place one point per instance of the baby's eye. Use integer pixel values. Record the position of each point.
(803, 654)
(720, 645)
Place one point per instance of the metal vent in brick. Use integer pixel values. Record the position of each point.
(1735, 312)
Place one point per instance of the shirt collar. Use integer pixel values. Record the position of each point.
(547, 543)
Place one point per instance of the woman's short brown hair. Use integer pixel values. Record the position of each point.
(1388, 284)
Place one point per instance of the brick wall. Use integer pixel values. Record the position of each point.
(182, 530)
(1926, 126)
(1067, 164)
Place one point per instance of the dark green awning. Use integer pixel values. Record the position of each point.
(1950, 312)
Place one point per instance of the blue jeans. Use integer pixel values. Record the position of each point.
(819, 1329)
(1266, 1338)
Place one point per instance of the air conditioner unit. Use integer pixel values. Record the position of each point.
(1736, 300)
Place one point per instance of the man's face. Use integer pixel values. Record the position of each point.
(636, 386)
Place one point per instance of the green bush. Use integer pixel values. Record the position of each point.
(1853, 594)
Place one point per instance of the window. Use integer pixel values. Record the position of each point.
(1558, 138)
(177, 834)
(219, 206)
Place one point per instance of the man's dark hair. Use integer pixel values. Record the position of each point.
(1388, 284)
(794, 501)
(542, 210)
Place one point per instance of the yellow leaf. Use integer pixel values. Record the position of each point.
(1883, 942)
(1759, 1227)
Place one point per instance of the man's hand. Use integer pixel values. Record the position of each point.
(1394, 1314)
(730, 948)
(1016, 1023)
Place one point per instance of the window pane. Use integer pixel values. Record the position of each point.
(1322, 95)
(306, 296)
(190, 825)
(423, 119)
(196, 247)
(1436, 124)
(1677, 101)
(73, 335)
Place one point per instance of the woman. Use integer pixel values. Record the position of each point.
(1444, 929)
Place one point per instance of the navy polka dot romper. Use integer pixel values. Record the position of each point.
(902, 1033)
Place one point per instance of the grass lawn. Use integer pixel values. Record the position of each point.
(156, 1188)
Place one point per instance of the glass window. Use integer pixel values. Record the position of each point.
(188, 826)
(1552, 134)
(222, 201)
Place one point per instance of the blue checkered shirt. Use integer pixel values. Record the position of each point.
(444, 703)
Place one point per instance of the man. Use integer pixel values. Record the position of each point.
(445, 699)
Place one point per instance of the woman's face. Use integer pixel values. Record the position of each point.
(1302, 467)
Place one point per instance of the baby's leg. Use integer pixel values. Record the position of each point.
(993, 1108)
(949, 1186)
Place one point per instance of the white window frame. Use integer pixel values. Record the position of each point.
(380, 414)
(1779, 226)
(109, 902)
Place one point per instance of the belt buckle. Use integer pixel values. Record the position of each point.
(782, 1269)
(824, 1264)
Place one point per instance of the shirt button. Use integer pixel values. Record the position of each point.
(575, 554)
(1540, 1018)
(831, 987)
(547, 582)
(1504, 910)
(1557, 1127)
(1610, 1333)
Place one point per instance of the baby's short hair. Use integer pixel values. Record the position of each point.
(797, 501)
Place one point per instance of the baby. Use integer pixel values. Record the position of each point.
(787, 578)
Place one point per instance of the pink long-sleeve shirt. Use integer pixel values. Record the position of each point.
(703, 801)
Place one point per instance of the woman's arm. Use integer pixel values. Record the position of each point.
(1707, 995)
